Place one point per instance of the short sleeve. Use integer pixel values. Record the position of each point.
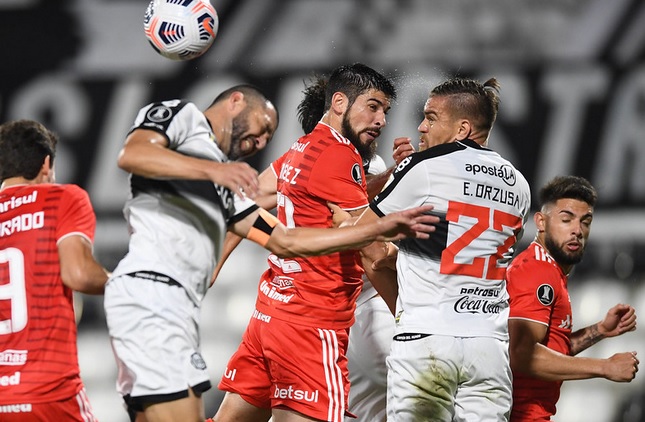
(532, 287)
(75, 214)
(338, 177)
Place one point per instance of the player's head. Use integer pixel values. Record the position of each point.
(253, 125)
(312, 107)
(361, 97)
(564, 220)
(458, 109)
(27, 150)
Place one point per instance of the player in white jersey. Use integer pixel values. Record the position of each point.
(449, 358)
(185, 194)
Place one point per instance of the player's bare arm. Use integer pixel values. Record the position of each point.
(146, 153)
(78, 268)
(265, 229)
(619, 320)
(529, 356)
(383, 278)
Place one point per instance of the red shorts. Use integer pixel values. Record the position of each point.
(74, 409)
(285, 365)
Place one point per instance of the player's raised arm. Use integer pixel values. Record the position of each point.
(266, 230)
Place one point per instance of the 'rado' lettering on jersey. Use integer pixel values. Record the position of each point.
(504, 172)
(22, 223)
(272, 292)
(492, 193)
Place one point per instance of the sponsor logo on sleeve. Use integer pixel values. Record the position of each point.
(197, 361)
(356, 173)
(159, 114)
(545, 294)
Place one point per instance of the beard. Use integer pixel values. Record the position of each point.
(366, 152)
(240, 126)
(561, 256)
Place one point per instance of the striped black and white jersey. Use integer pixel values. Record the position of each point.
(177, 227)
(453, 283)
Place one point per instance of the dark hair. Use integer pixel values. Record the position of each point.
(354, 80)
(569, 187)
(472, 99)
(312, 107)
(24, 144)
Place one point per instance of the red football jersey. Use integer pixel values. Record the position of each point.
(38, 355)
(538, 292)
(320, 167)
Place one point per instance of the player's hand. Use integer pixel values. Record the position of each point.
(340, 217)
(239, 177)
(402, 148)
(389, 260)
(622, 367)
(413, 222)
(619, 320)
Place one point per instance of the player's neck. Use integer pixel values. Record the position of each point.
(566, 269)
(16, 181)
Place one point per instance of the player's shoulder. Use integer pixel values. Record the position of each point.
(531, 263)
(69, 192)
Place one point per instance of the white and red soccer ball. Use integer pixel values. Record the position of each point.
(180, 29)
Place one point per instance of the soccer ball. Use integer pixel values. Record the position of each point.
(180, 29)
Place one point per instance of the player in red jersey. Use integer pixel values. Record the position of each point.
(542, 346)
(46, 235)
(291, 363)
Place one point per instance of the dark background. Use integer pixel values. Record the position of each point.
(573, 102)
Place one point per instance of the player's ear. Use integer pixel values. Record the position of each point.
(339, 102)
(539, 220)
(463, 130)
(236, 102)
(46, 174)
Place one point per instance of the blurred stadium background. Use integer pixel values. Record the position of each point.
(573, 102)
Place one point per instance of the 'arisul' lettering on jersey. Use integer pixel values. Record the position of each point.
(17, 201)
(492, 193)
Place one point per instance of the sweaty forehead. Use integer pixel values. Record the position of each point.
(376, 96)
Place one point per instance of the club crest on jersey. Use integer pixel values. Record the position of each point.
(545, 294)
(356, 173)
(159, 114)
(197, 361)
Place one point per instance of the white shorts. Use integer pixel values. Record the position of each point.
(369, 344)
(442, 378)
(154, 331)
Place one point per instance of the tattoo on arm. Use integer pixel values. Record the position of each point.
(585, 338)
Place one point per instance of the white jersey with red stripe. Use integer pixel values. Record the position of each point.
(453, 283)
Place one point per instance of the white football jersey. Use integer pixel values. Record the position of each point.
(177, 227)
(453, 283)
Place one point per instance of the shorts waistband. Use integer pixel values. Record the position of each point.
(154, 276)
